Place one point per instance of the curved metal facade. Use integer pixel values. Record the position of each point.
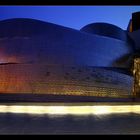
(52, 59)
(66, 80)
(32, 41)
(105, 29)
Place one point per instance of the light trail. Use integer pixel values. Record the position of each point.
(70, 110)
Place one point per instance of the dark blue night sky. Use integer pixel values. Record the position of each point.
(72, 16)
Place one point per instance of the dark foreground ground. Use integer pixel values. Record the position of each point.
(13, 123)
(44, 124)
(14, 97)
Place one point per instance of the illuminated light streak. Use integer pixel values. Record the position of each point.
(70, 110)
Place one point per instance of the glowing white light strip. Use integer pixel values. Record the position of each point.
(72, 110)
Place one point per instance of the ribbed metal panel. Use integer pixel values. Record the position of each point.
(60, 80)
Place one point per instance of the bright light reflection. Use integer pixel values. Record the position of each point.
(72, 110)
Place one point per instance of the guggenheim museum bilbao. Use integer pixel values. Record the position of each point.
(39, 58)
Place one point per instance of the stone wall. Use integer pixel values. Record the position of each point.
(136, 72)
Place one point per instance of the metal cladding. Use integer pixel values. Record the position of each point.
(64, 80)
(105, 29)
(26, 40)
(108, 30)
(44, 58)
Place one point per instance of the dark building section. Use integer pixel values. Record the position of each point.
(135, 37)
(129, 27)
(136, 21)
(21, 27)
(134, 31)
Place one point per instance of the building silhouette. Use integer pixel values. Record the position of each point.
(39, 58)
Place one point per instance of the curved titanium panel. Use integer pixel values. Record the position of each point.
(105, 29)
(33, 41)
(52, 59)
(21, 27)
